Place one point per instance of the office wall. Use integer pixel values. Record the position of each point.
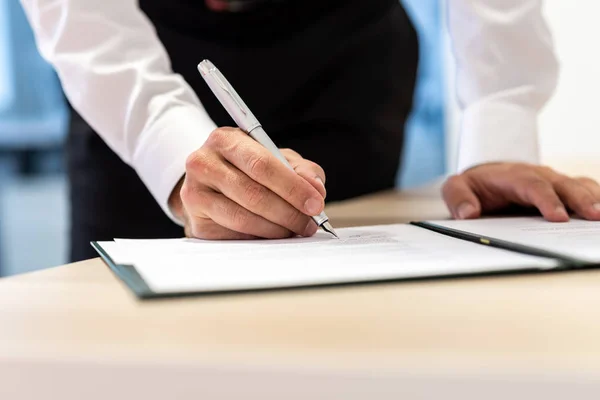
(570, 123)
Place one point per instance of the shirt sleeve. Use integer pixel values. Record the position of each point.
(506, 72)
(117, 75)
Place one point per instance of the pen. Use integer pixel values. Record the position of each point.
(247, 122)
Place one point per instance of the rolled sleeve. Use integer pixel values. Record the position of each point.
(506, 72)
(117, 74)
(498, 132)
(160, 157)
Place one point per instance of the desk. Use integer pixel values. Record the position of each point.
(75, 332)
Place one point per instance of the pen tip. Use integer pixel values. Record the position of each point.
(328, 228)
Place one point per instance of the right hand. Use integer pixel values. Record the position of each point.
(235, 189)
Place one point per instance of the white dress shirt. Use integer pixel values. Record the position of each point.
(117, 75)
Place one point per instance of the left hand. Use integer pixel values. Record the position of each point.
(496, 186)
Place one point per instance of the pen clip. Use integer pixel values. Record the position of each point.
(228, 97)
(227, 89)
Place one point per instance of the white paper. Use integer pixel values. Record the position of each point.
(577, 238)
(362, 254)
(117, 253)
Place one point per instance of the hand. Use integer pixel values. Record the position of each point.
(493, 187)
(235, 189)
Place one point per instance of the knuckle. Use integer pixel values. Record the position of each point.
(200, 228)
(564, 182)
(199, 162)
(586, 180)
(321, 171)
(534, 187)
(218, 138)
(293, 190)
(450, 184)
(255, 194)
(517, 169)
(536, 183)
(546, 170)
(194, 160)
(520, 166)
(186, 193)
(323, 175)
(317, 169)
(204, 167)
(260, 167)
(454, 180)
(196, 201)
(239, 219)
(290, 153)
(203, 199)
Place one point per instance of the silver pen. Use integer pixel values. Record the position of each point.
(247, 122)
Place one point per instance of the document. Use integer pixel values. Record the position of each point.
(376, 253)
(577, 238)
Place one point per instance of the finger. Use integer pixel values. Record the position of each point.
(460, 198)
(311, 172)
(197, 222)
(207, 229)
(577, 197)
(290, 154)
(539, 192)
(232, 216)
(297, 161)
(593, 187)
(261, 201)
(261, 166)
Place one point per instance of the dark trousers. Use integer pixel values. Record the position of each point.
(338, 89)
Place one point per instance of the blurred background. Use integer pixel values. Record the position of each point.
(33, 123)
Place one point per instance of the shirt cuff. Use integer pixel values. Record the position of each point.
(161, 155)
(498, 132)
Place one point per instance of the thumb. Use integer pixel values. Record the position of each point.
(460, 198)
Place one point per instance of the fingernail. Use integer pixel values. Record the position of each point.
(312, 206)
(311, 228)
(465, 210)
(596, 207)
(318, 178)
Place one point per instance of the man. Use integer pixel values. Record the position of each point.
(331, 79)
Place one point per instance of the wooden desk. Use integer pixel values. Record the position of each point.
(75, 332)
